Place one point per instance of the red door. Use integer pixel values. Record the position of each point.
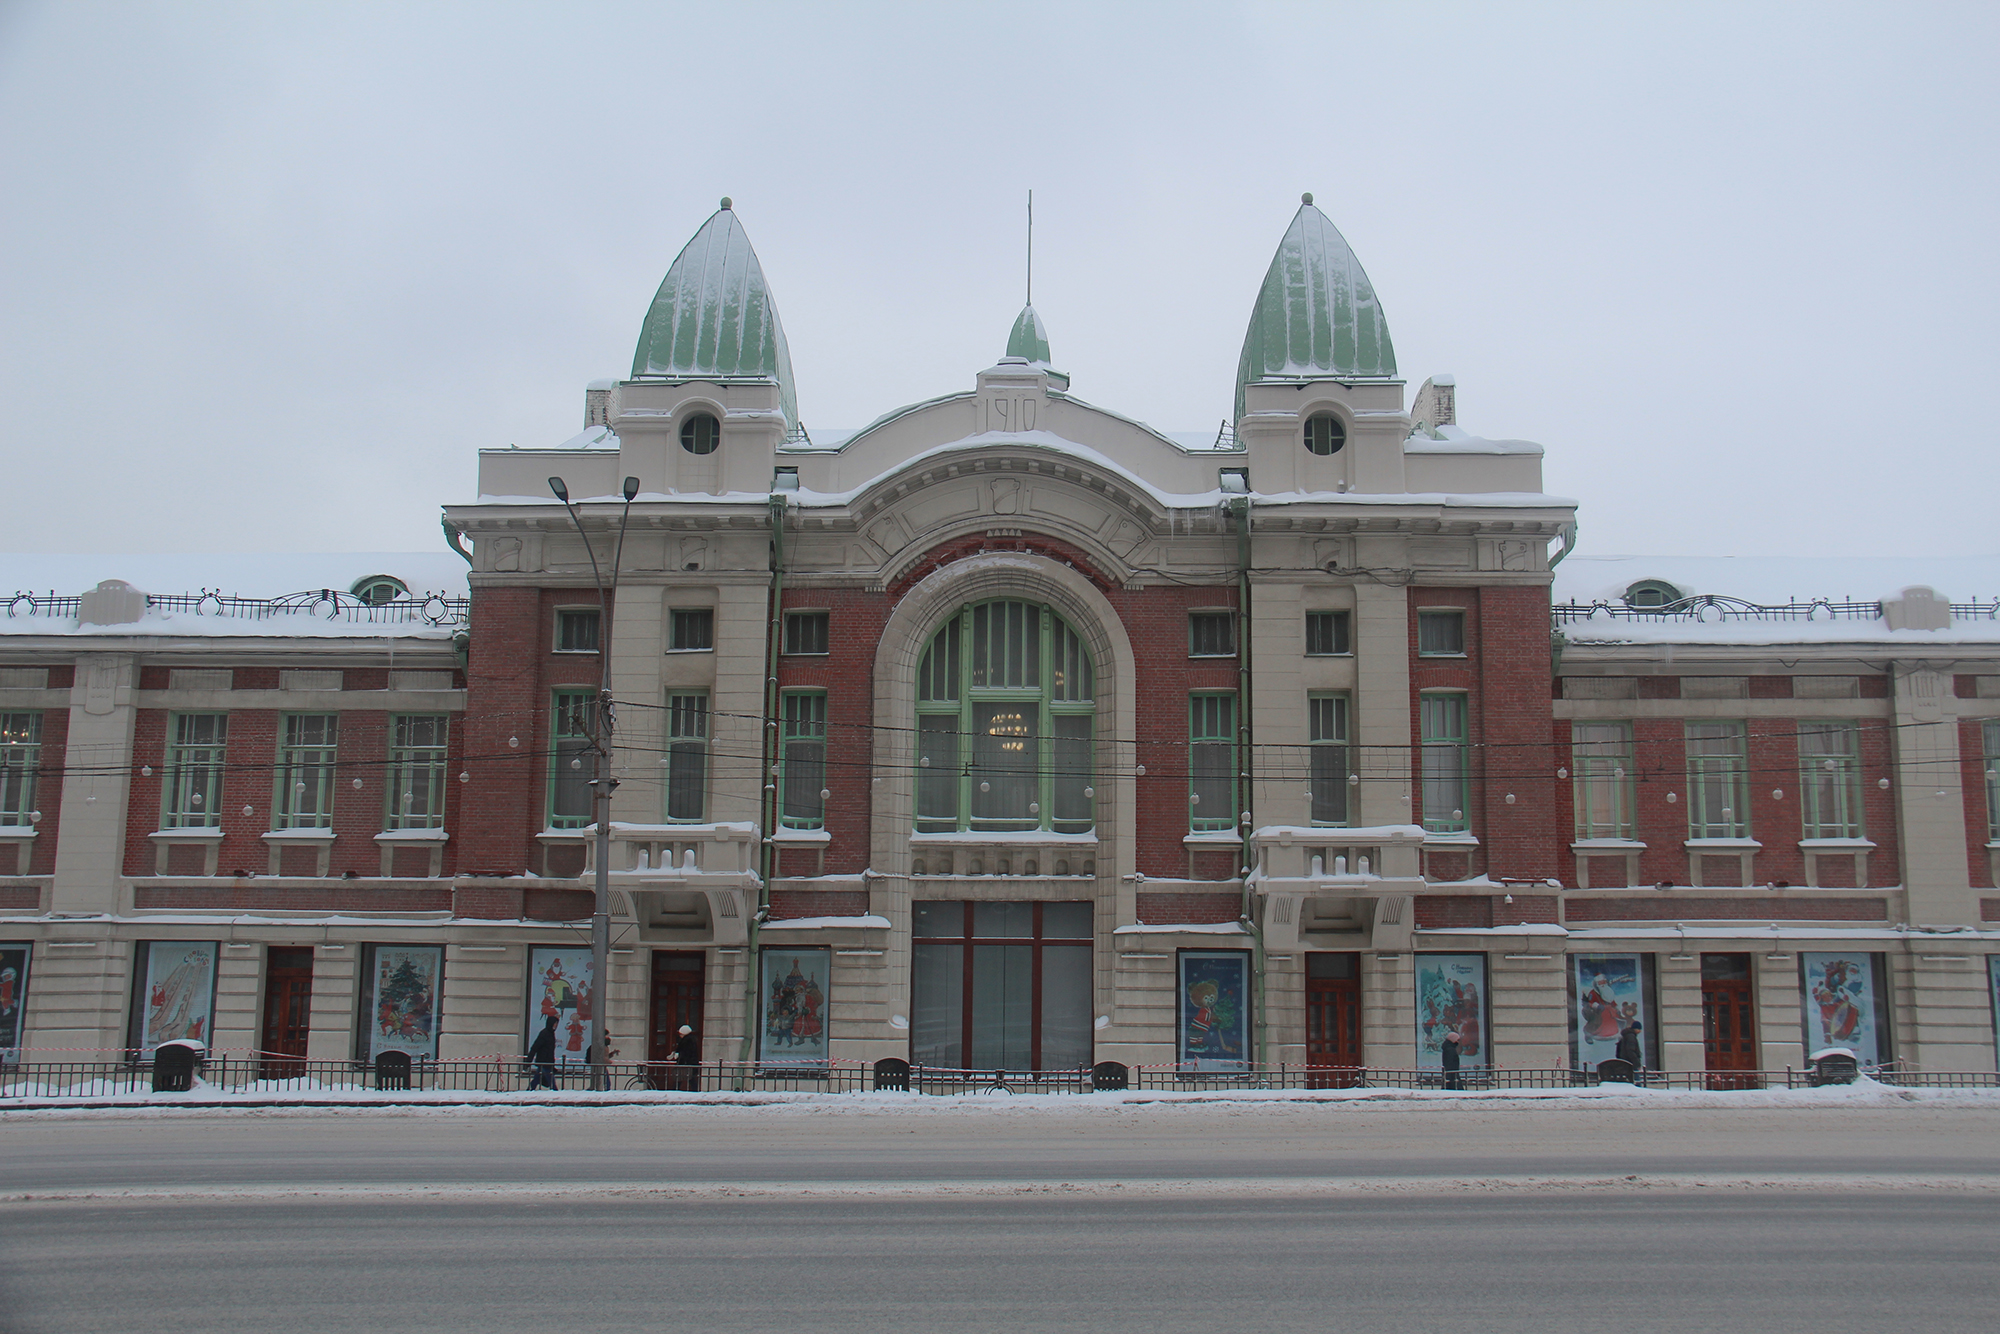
(1728, 1020)
(288, 979)
(677, 988)
(1333, 1020)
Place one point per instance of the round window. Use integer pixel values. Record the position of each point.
(1325, 433)
(701, 433)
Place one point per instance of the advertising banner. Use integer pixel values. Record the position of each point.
(1842, 1005)
(1451, 998)
(1993, 993)
(1610, 996)
(562, 986)
(796, 982)
(13, 999)
(178, 995)
(1215, 1009)
(403, 1000)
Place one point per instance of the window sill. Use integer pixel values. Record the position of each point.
(818, 653)
(1459, 657)
(1836, 845)
(412, 836)
(1013, 838)
(198, 834)
(1722, 845)
(800, 837)
(1211, 657)
(574, 652)
(1461, 838)
(1607, 845)
(1199, 837)
(670, 652)
(1348, 654)
(298, 836)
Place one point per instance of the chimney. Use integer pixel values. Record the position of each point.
(597, 404)
(1436, 404)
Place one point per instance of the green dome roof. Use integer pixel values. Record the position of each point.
(1029, 340)
(1317, 316)
(713, 317)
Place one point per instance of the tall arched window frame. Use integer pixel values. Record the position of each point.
(1005, 723)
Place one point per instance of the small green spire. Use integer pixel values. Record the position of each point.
(1029, 340)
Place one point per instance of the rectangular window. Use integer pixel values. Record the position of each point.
(1718, 781)
(687, 756)
(1993, 787)
(1442, 718)
(417, 757)
(576, 630)
(806, 631)
(195, 756)
(803, 763)
(1211, 762)
(1601, 756)
(1326, 725)
(1440, 634)
(1211, 634)
(306, 759)
(1326, 634)
(1830, 780)
(572, 759)
(20, 762)
(693, 631)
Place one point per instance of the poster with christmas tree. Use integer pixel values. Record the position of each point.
(405, 1001)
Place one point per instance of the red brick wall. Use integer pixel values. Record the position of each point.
(326, 898)
(1972, 779)
(1759, 909)
(1189, 909)
(1453, 910)
(847, 673)
(791, 904)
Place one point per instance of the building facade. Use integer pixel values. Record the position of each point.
(1011, 733)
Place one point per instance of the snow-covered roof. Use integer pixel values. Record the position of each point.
(250, 574)
(1779, 579)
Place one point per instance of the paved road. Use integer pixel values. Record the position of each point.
(1152, 1219)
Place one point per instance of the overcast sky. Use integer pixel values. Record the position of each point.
(271, 274)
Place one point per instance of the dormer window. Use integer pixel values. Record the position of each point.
(377, 589)
(1325, 433)
(1652, 593)
(701, 433)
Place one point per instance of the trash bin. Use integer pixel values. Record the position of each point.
(891, 1073)
(174, 1064)
(1833, 1065)
(1109, 1077)
(392, 1070)
(1615, 1071)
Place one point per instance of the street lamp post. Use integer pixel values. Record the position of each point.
(602, 784)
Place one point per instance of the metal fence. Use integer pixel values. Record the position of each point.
(253, 1075)
(328, 604)
(1720, 607)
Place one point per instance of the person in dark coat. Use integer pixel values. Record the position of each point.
(687, 1055)
(1628, 1045)
(1448, 1058)
(542, 1055)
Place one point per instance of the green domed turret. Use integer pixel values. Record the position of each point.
(1317, 316)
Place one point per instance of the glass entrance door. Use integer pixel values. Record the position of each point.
(1000, 986)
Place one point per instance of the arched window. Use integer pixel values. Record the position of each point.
(1652, 593)
(377, 589)
(701, 433)
(1325, 433)
(1004, 723)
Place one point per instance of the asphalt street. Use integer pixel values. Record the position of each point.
(1197, 1218)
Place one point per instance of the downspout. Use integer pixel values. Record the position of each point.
(1240, 507)
(768, 851)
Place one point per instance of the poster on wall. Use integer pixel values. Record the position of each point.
(177, 992)
(1842, 1005)
(1610, 996)
(1215, 1009)
(1451, 998)
(404, 1000)
(795, 986)
(1993, 992)
(563, 987)
(13, 999)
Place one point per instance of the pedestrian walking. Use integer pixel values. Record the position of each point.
(1448, 1057)
(687, 1056)
(1628, 1048)
(542, 1056)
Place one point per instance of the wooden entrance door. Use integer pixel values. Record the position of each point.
(288, 978)
(1728, 1019)
(677, 992)
(1333, 1020)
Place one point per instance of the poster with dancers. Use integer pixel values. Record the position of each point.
(1215, 1010)
(1451, 998)
(1610, 995)
(1843, 1005)
(562, 985)
(13, 999)
(177, 992)
(403, 1000)
(796, 982)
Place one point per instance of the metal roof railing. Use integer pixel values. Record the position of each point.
(327, 604)
(1717, 607)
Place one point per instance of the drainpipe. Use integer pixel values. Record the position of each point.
(768, 852)
(1240, 507)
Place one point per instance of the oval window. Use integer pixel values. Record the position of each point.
(701, 433)
(1325, 433)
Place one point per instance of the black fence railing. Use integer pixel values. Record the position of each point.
(328, 604)
(1720, 607)
(253, 1075)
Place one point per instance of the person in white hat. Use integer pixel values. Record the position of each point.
(687, 1055)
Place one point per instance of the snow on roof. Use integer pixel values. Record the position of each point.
(1779, 579)
(253, 574)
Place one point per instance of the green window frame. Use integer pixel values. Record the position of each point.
(802, 780)
(579, 629)
(687, 758)
(20, 766)
(1006, 719)
(1441, 634)
(1328, 766)
(1830, 780)
(806, 632)
(572, 763)
(1211, 634)
(197, 750)
(1212, 788)
(419, 746)
(1718, 780)
(1604, 783)
(1446, 751)
(308, 755)
(1993, 782)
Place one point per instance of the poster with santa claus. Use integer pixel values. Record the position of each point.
(563, 985)
(13, 999)
(1843, 1005)
(1610, 996)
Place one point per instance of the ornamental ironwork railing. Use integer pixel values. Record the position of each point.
(1718, 607)
(326, 604)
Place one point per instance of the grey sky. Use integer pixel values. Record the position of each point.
(273, 273)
